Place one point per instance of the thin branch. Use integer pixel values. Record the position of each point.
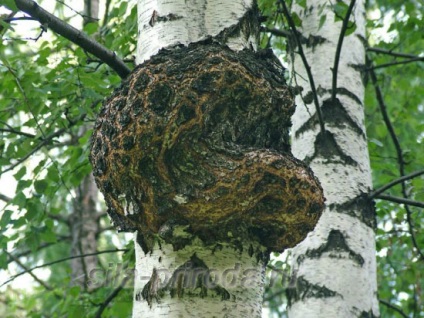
(393, 307)
(74, 35)
(339, 49)
(9, 17)
(5, 198)
(399, 154)
(400, 200)
(17, 132)
(61, 261)
(305, 63)
(111, 297)
(78, 13)
(395, 182)
(25, 253)
(417, 59)
(25, 268)
(276, 32)
(38, 147)
(43, 142)
(389, 52)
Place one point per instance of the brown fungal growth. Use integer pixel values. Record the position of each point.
(198, 136)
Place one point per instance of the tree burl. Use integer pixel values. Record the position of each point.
(198, 137)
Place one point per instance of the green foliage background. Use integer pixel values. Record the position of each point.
(50, 89)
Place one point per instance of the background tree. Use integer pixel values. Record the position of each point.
(69, 93)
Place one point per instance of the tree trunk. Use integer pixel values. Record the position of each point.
(192, 152)
(84, 224)
(238, 276)
(334, 268)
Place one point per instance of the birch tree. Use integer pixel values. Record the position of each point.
(192, 153)
(334, 269)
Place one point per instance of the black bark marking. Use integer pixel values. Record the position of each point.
(194, 279)
(301, 289)
(334, 114)
(151, 291)
(336, 245)
(326, 147)
(361, 207)
(368, 314)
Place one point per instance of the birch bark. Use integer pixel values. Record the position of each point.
(334, 268)
(239, 278)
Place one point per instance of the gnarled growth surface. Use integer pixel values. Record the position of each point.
(198, 137)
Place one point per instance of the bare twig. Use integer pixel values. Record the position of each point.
(60, 261)
(395, 182)
(26, 269)
(74, 35)
(390, 52)
(75, 11)
(305, 63)
(5, 198)
(400, 200)
(111, 296)
(339, 49)
(394, 63)
(399, 154)
(17, 132)
(276, 32)
(393, 307)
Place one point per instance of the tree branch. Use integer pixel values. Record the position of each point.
(395, 182)
(399, 153)
(43, 142)
(305, 63)
(400, 200)
(25, 268)
(339, 49)
(5, 198)
(60, 261)
(411, 60)
(111, 297)
(74, 35)
(276, 32)
(393, 307)
(389, 52)
(17, 132)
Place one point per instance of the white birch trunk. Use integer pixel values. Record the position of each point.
(167, 23)
(334, 268)
(164, 24)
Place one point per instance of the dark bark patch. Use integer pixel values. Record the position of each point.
(335, 246)
(326, 147)
(302, 289)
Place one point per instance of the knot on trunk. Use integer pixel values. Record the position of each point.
(198, 137)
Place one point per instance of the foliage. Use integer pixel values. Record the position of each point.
(50, 92)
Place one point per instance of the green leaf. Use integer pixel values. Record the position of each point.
(296, 19)
(322, 20)
(340, 10)
(21, 172)
(5, 218)
(301, 3)
(40, 186)
(10, 4)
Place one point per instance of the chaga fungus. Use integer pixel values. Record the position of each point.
(198, 136)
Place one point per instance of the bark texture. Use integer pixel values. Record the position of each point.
(334, 269)
(168, 23)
